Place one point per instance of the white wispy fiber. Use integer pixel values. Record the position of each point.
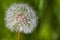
(20, 17)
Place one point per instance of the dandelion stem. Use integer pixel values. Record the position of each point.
(18, 35)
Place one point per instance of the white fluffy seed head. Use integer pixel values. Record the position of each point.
(20, 17)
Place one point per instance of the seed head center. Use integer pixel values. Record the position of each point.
(21, 18)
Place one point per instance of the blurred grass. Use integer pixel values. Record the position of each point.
(48, 12)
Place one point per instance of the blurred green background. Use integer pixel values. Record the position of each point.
(48, 28)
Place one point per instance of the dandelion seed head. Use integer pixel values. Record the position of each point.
(20, 17)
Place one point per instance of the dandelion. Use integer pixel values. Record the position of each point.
(20, 18)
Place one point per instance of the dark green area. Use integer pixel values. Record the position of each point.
(48, 28)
